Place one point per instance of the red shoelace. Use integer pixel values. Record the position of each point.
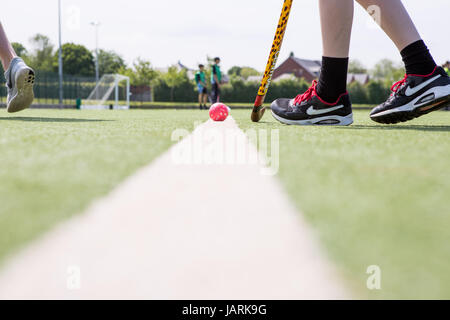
(311, 91)
(396, 86)
(307, 95)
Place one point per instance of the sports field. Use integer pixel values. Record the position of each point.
(54, 163)
(375, 195)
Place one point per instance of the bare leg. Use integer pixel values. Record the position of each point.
(425, 87)
(336, 18)
(7, 52)
(394, 20)
(327, 100)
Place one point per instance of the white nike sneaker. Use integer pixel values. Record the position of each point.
(414, 96)
(309, 109)
(19, 81)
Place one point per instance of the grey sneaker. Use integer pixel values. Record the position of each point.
(19, 81)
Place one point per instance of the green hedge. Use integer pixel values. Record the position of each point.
(182, 93)
(238, 90)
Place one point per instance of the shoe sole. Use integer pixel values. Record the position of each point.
(23, 94)
(321, 121)
(410, 111)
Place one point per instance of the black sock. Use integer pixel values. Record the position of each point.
(417, 59)
(333, 78)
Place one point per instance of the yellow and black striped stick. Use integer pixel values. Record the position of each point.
(258, 109)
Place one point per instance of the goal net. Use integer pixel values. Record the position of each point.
(111, 92)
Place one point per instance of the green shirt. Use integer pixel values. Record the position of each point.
(215, 70)
(448, 71)
(200, 77)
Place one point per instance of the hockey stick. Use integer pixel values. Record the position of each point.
(258, 109)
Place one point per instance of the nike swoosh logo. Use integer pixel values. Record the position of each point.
(313, 112)
(412, 91)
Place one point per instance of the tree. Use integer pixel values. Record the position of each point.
(173, 78)
(20, 49)
(77, 60)
(141, 74)
(247, 72)
(388, 70)
(243, 72)
(235, 71)
(355, 66)
(110, 62)
(41, 58)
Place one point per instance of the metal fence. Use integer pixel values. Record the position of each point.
(75, 87)
(46, 88)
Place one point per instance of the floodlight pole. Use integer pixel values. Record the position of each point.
(60, 58)
(128, 93)
(96, 25)
(116, 89)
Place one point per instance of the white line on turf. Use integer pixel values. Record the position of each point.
(180, 232)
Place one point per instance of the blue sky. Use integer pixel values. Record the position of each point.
(240, 31)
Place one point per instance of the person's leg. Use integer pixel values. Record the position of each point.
(215, 93)
(397, 24)
(218, 93)
(327, 101)
(200, 100)
(426, 87)
(394, 20)
(205, 99)
(336, 18)
(7, 52)
(19, 77)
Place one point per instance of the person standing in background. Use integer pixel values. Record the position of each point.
(200, 80)
(216, 80)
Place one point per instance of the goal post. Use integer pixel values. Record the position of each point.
(112, 91)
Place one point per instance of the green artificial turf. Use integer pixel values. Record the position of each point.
(137, 104)
(376, 195)
(54, 163)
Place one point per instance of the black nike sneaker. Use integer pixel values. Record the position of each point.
(310, 109)
(414, 96)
